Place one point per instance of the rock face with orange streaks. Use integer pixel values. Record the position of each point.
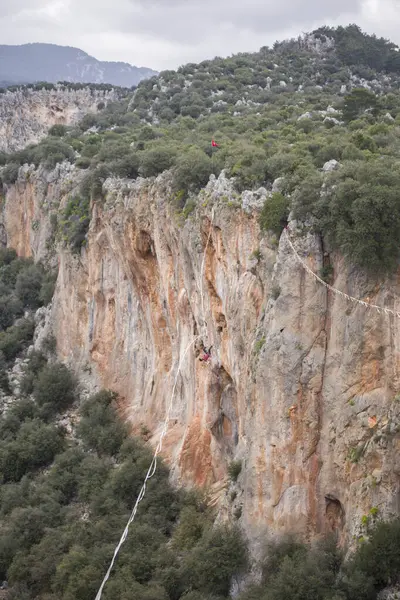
(302, 386)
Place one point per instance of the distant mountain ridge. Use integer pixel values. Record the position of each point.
(30, 63)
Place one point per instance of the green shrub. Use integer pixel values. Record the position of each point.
(75, 222)
(275, 213)
(327, 273)
(276, 550)
(192, 171)
(282, 164)
(91, 187)
(16, 338)
(258, 346)
(54, 389)
(58, 130)
(47, 289)
(190, 528)
(290, 569)
(126, 167)
(156, 160)
(357, 102)
(49, 344)
(361, 214)
(301, 577)
(11, 421)
(190, 206)
(248, 166)
(9, 174)
(220, 555)
(28, 286)
(10, 308)
(7, 256)
(34, 446)
(52, 151)
(9, 272)
(36, 362)
(234, 469)
(4, 383)
(378, 558)
(83, 162)
(327, 153)
(99, 427)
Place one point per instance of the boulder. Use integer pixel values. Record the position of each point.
(331, 165)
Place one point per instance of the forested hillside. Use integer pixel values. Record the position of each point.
(280, 113)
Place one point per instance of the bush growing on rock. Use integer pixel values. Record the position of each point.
(219, 554)
(9, 174)
(7, 255)
(292, 569)
(275, 213)
(378, 558)
(23, 285)
(126, 167)
(54, 389)
(248, 166)
(75, 222)
(35, 445)
(47, 288)
(99, 427)
(91, 187)
(357, 102)
(58, 130)
(10, 308)
(28, 286)
(235, 469)
(155, 161)
(52, 151)
(360, 214)
(192, 171)
(36, 362)
(16, 338)
(4, 383)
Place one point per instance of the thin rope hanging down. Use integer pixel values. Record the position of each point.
(379, 309)
(202, 276)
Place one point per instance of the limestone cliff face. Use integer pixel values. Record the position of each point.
(26, 115)
(302, 387)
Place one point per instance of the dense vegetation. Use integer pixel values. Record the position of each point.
(294, 570)
(282, 112)
(65, 501)
(355, 48)
(24, 287)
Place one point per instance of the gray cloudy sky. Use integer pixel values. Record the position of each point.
(166, 33)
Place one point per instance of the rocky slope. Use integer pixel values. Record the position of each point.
(26, 115)
(303, 387)
(29, 63)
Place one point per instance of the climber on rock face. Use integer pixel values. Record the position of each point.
(206, 355)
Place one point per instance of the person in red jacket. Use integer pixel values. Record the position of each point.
(206, 355)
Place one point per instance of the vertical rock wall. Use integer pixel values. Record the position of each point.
(302, 388)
